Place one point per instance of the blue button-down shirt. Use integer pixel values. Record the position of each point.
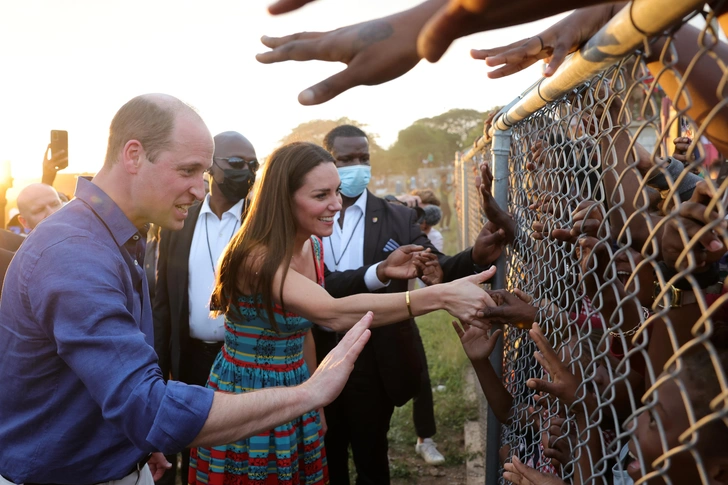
(82, 398)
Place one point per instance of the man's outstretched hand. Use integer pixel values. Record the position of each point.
(332, 373)
(374, 52)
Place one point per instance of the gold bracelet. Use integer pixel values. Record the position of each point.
(409, 306)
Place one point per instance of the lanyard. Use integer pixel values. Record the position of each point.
(207, 238)
(333, 253)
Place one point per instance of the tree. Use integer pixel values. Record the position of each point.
(458, 122)
(417, 142)
(314, 131)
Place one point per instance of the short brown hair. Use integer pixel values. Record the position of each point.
(427, 196)
(146, 120)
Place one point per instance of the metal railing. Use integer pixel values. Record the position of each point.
(615, 225)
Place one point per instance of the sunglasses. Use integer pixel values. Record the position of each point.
(239, 163)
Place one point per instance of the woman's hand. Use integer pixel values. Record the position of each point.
(477, 343)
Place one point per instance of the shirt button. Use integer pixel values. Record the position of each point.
(136, 263)
(135, 237)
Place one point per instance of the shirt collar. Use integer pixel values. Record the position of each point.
(361, 202)
(120, 227)
(236, 210)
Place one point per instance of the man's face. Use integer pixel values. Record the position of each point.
(670, 415)
(44, 202)
(234, 148)
(350, 150)
(167, 188)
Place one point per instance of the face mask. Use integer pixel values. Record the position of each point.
(236, 183)
(354, 179)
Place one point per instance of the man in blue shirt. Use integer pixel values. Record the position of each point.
(83, 400)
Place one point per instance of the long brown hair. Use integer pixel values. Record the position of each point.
(270, 226)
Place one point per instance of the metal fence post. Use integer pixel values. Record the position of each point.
(500, 150)
(465, 233)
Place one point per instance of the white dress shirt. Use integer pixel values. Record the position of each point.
(436, 239)
(344, 249)
(208, 242)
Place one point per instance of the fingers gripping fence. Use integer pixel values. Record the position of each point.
(616, 180)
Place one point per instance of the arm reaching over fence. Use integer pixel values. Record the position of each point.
(375, 51)
(552, 45)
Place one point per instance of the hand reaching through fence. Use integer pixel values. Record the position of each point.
(587, 220)
(478, 344)
(707, 247)
(518, 473)
(513, 308)
(493, 212)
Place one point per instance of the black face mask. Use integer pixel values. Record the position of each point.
(236, 183)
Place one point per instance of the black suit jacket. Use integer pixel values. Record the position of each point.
(171, 299)
(395, 353)
(10, 241)
(5, 258)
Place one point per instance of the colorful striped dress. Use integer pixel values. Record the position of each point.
(256, 357)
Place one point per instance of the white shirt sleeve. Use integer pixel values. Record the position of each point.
(371, 279)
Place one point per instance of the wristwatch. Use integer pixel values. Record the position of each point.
(677, 297)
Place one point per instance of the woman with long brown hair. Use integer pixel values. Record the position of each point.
(270, 289)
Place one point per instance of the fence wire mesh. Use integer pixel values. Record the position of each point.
(619, 193)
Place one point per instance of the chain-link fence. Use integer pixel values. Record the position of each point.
(617, 184)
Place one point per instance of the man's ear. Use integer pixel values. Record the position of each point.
(132, 156)
(22, 220)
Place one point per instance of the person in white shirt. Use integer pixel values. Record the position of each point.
(187, 339)
(433, 214)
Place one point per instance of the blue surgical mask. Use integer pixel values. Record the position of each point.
(354, 179)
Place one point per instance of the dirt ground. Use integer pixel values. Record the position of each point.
(410, 469)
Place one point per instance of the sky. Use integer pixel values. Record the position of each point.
(69, 65)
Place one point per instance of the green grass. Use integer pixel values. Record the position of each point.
(446, 363)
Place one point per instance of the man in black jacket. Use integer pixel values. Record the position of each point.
(186, 339)
(387, 373)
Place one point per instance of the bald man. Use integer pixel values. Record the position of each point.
(186, 338)
(83, 399)
(35, 203)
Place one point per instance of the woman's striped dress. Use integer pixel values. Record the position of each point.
(256, 357)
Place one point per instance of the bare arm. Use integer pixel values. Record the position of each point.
(464, 17)
(235, 416)
(702, 83)
(478, 346)
(462, 298)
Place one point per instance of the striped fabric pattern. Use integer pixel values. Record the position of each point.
(256, 357)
